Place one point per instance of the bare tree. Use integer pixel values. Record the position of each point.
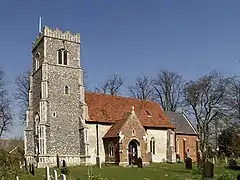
(168, 88)
(5, 107)
(22, 82)
(204, 98)
(232, 98)
(111, 85)
(143, 88)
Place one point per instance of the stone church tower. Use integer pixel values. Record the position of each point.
(56, 100)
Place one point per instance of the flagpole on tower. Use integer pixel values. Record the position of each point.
(40, 24)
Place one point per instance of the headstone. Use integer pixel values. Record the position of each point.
(32, 170)
(188, 163)
(47, 173)
(17, 178)
(208, 170)
(233, 164)
(178, 157)
(98, 162)
(64, 163)
(213, 160)
(216, 159)
(139, 162)
(63, 177)
(226, 160)
(57, 161)
(222, 157)
(55, 174)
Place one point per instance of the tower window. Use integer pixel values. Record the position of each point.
(37, 61)
(66, 90)
(62, 56)
(65, 57)
(148, 114)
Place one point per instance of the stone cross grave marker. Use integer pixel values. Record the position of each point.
(188, 163)
(208, 170)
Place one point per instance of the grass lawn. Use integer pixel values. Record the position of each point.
(153, 172)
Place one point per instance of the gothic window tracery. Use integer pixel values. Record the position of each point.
(62, 56)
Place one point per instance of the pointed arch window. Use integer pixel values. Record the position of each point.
(62, 56)
(111, 149)
(152, 145)
(36, 134)
(66, 90)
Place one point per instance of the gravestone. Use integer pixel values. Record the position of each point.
(139, 162)
(178, 157)
(222, 157)
(57, 161)
(32, 170)
(188, 163)
(64, 163)
(216, 158)
(208, 170)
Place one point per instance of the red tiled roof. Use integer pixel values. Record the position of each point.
(115, 128)
(104, 108)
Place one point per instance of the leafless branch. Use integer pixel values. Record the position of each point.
(111, 85)
(22, 83)
(168, 88)
(5, 107)
(143, 88)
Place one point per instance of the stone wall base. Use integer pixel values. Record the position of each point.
(51, 161)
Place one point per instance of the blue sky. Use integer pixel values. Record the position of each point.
(128, 37)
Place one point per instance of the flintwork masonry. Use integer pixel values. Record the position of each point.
(83, 127)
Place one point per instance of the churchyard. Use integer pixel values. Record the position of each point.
(152, 172)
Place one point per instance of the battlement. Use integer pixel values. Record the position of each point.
(56, 33)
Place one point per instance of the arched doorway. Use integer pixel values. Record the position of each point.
(133, 151)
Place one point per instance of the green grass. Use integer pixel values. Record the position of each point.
(153, 172)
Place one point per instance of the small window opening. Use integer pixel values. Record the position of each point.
(66, 90)
(152, 145)
(65, 57)
(59, 56)
(148, 114)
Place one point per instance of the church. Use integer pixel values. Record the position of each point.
(66, 122)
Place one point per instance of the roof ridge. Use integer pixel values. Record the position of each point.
(125, 97)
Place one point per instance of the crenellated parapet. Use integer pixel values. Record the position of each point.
(58, 34)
